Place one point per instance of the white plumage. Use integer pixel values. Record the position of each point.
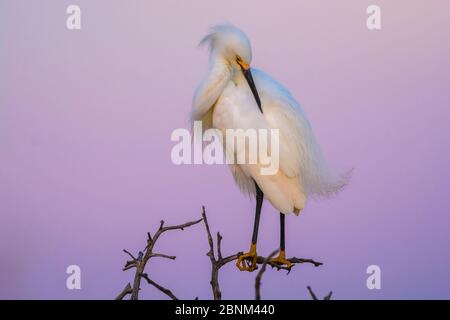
(224, 100)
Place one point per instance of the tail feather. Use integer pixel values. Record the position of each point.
(322, 181)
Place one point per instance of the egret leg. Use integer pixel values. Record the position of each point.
(247, 261)
(281, 258)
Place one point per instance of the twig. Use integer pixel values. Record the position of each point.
(314, 297)
(163, 256)
(293, 260)
(260, 274)
(217, 263)
(217, 294)
(129, 265)
(144, 256)
(159, 287)
(128, 253)
(125, 291)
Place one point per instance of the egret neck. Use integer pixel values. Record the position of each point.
(219, 75)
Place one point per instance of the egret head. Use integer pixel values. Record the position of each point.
(229, 43)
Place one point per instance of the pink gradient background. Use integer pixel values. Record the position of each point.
(85, 124)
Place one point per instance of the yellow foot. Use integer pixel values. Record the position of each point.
(281, 260)
(247, 261)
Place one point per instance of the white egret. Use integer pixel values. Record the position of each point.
(235, 96)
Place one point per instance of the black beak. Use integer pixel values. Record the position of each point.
(248, 76)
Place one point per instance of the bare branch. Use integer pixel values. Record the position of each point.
(160, 255)
(144, 256)
(215, 265)
(293, 260)
(219, 246)
(129, 265)
(159, 287)
(260, 274)
(301, 260)
(181, 227)
(231, 258)
(128, 253)
(328, 296)
(208, 231)
(313, 295)
(216, 262)
(127, 290)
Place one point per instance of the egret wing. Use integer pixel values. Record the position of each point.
(300, 154)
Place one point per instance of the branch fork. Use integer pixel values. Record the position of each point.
(215, 256)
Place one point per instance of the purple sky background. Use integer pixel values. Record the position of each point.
(85, 124)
